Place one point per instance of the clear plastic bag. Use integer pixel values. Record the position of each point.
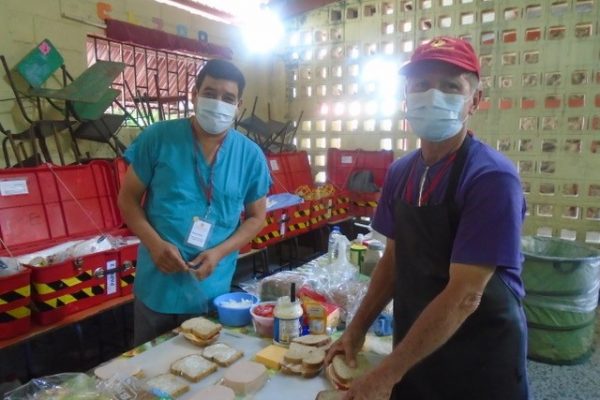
(120, 387)
(58, 387)
(9, 266)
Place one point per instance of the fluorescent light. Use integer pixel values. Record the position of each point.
(381, 75)
(262, 31)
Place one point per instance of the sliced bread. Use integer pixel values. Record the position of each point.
(303, 360)
(201, 327)
(313, 340)
(168, 384)
(345, 374)
(297, 352)
(200, 342)
(222, 354)
(245, 377)
(193, 367)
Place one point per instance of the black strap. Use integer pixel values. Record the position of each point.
(457, 168)
(455, 173)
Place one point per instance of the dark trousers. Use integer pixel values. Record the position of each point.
(148, 324)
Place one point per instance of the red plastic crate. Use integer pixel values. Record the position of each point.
(15, 310)
(340, 206)
(48, 205)
(273, 231)
(120, 166)
(364, 204)
(341, 164)
(246, 248)
(289, 171)
(298, 219)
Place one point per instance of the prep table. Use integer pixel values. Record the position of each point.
(157, 358)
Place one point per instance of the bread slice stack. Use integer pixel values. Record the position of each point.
(200, 331)
(306, 355)
(341, 374)
(222, 354)
(168, 384)
(193, 367)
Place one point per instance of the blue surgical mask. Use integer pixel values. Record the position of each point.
(214, 116)
(434, 115)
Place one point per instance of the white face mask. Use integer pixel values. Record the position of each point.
(434, 115)
(214, 116)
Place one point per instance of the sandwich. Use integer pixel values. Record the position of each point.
(303, 360)
(193, 367)
(341, 374)
(168, 384)
(222, 354)
(321, 341)
(200, 331)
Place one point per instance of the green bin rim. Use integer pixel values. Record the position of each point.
(581, 246)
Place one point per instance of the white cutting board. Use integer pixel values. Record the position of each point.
(157, 360)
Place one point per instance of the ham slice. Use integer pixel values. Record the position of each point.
(214, 393)
(245, 377)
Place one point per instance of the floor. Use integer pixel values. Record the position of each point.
(110, 334)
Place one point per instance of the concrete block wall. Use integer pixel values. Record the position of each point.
(540, 77)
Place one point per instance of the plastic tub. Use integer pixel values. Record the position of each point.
(263, 326)
(232, 311)
(561, 280)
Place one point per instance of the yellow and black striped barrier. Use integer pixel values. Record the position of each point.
(61, 301)
(61, 284)
(15, 314)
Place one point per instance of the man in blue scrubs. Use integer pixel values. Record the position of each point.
(197, 175)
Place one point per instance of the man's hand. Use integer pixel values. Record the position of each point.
(348, 344)
(167, 257)
(205, 263)
(374, 385)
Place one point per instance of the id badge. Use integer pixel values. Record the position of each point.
(200, 233)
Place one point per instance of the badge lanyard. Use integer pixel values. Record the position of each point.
(201, 229)
(435, 181)
(207, 187)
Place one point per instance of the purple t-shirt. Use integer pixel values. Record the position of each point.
(491, 203)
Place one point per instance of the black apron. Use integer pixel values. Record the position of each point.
(485, 359)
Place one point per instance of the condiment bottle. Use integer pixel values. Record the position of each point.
(287, 318)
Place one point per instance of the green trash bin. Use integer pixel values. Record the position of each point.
(562, 280)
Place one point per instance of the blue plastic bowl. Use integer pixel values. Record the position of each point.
(230, 316)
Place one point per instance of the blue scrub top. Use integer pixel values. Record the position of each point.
(163, 157)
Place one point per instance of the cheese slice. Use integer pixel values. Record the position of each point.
(271, 356)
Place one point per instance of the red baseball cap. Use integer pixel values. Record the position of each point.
(447, 49)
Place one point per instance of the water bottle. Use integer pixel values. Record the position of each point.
(332, 251)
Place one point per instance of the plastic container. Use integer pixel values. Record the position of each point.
(263, 326)
(231, 314)
(288, 320)
(373, 254)
(332, 244)
(561, 280)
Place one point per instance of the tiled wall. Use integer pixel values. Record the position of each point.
(541, 80)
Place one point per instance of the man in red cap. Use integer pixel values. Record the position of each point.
(452, 213)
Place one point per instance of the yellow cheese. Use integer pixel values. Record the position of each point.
(271, 356)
